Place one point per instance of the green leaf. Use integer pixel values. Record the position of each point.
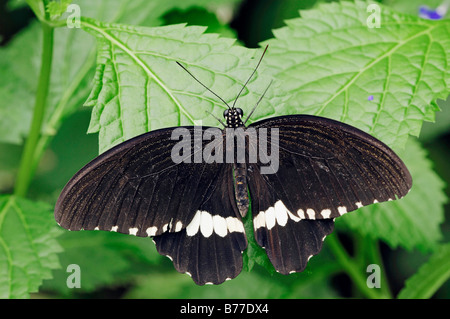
(139, 87)
(413, 221)
(18, 88)
(430, 276)
(57, 8)
(105, 259)
(333, 64)
(28, 246)
(175, 285)
(73, 63)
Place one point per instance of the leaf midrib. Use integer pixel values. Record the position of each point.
(375, 61)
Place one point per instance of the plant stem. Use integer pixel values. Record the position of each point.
(351, 268)
(27, 165)
(373, 252)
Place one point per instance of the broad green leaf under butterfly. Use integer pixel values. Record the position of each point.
(139, 87)
(413, 221)
(382, 80)
(28, 246)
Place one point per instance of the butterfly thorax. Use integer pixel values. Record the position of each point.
(233, 117)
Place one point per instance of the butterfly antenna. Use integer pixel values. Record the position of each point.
(251, 75)
(203, 84)
(254, 108)
(220, 121)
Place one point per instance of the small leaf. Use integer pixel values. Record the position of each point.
(57, 8)
(413, 221)
(28, 249)
(430, 276)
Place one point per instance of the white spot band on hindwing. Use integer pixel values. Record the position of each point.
(208, 224)
(279, 214)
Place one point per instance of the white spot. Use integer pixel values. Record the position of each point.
(293, 217)
(165, 227)
(292, 272)
(133, 231)
(194, 225)
(310, 257)
(359, 204)
(188, 273)
(220, 225)
(206, 224)
(178, 226)
(301, 214)
(171, 259)
(342, 210)
(325, 213)
(270, 217)
(234, 225)
(96, 228)
(375, 201)
(390, 199)
(151, 231)
(259, 221)
(114, 228)
(281, 213)
(209, 283)
(278, 214)
(311, 213)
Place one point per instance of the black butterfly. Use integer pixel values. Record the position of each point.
(194, 211)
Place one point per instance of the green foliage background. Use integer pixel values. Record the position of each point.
(120, 65)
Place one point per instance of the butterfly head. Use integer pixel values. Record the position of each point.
(233, 117)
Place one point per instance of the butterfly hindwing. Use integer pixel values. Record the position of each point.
(210, 248)
(288, 240)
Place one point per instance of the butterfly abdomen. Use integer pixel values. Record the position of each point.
(240, 187)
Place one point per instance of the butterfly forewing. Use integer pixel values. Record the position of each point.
(328, 168)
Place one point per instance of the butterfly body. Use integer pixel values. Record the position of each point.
(233, 117)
